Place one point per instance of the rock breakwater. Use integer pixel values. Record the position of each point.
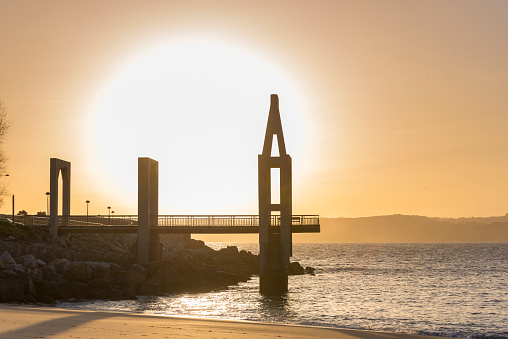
(103, 267)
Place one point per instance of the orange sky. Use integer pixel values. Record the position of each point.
(387, 106)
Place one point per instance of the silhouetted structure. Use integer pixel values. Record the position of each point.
(57, 166)
(275, 222)
(149, 246)
(274, 242)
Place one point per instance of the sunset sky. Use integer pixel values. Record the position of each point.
(387, 106)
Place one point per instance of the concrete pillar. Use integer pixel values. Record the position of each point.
(149, 247)
(274, 242)
(57, 166)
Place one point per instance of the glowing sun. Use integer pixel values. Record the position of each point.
(200, 108)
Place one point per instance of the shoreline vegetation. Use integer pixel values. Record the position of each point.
(37, 269)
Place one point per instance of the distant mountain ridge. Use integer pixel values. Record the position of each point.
(409, 228)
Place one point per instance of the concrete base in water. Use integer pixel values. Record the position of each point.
(273, 277)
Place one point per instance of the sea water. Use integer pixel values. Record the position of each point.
(458, 290)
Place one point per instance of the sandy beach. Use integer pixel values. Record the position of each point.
(19, 321)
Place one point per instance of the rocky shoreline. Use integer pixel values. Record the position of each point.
(37, 269)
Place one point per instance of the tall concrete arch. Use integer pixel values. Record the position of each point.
(274, 242)
(58, 166)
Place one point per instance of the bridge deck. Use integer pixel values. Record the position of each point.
(171, 224)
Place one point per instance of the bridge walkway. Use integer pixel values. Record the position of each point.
(170, 224)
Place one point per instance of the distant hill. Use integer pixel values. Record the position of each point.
(409, 228)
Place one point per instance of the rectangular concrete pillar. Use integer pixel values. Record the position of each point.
(274, 228)
(149, 248)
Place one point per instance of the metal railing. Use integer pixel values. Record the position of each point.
(162, 220)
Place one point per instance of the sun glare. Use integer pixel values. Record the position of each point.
(199, 108)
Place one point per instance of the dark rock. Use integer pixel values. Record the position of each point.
(102, 282)
(16, 268)
(12, 289)
(100, 293)
(194, 244)
(29, 285)
(73, 289)
(81, 291)
(139, 268)
(46, 288)
(131, 279)
(59, 264)
(8, 274)
(7, 259)
(128, 292)
(49, 273)
(251, 260)
(294, 268)
(29, 261)
(150, 288)
(201, 252)
(35, 273)
(45, 299)
(230, 251)
(29, 298)
(77, 271)
(310, 270)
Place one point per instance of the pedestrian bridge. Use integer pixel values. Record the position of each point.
(171, 224)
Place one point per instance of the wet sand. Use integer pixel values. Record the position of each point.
(20, 321)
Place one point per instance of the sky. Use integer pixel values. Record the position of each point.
(387, 106)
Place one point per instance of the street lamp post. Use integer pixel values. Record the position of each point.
(109, 215)
(87, 202)
(47, 203)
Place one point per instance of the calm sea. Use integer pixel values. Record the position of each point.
(458, 290)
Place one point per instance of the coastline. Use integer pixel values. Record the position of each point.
(48, 322)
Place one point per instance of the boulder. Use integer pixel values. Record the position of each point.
(101, 282)
(99, 266)
(133, 278)
(29, 261)
(294, 268)
(59, 264)
(139, 268)
(77, 271)
(310, 270)
(49, 273)
(1, 264)
(150, 288)
(8, 274)
(41, 262)
(29, 285)
(73, 289)
(35, 273)
(16, 268)
(45, 287)
(12, 289)
(99, 293)
(128, 292)
(201, 252)
(81, 291)
(229, 251)
(7, 259)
